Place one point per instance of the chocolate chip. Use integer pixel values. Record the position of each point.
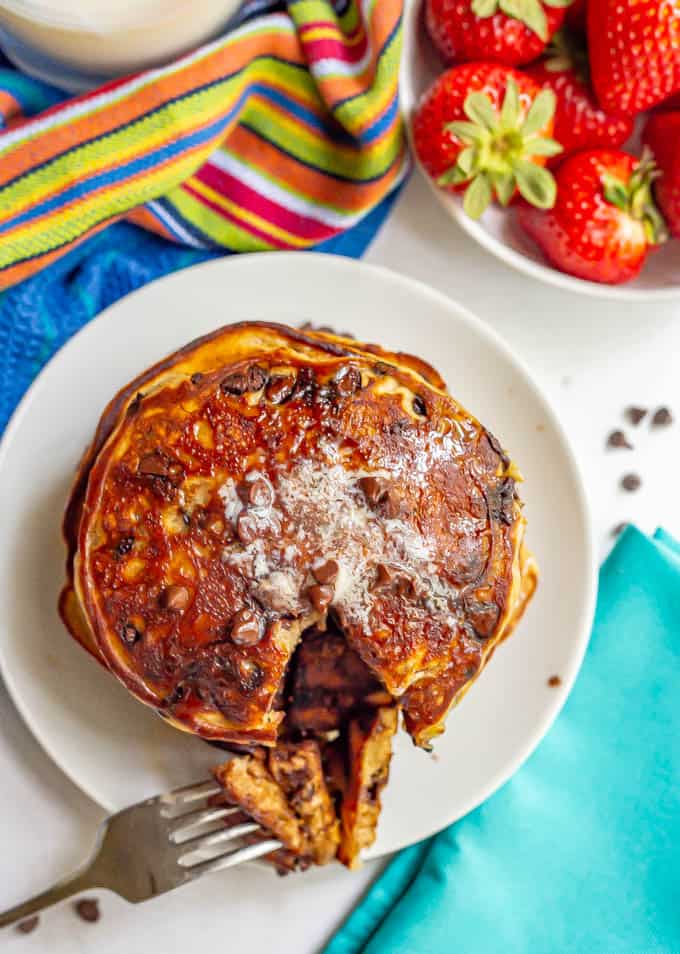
(381, 368)
(404, 586)
(186, 518)
(389, 577)
(635, 414)
(125, 545)
(196, 378)
(500, 501)
(260, 493)
(662, 417)
(385, 576)
(481, 618)
(618, 439)
(347, 381)
(247, 527)
(235, 383)
(324, 329)
(419, 406)
(280, 388)
(130, 634)
(256, 378)
(497, 449)
(618, 529)
(250, 675)
(554, 681)
(374, 489)
(393, 504)
(397, 428)
(238, 382)
(175, 598)
(175, 696)
(28, 925)
(154, 465)
(135, 403)
(326, 572)
(631, 482)
(87, 909)
(321, 597)
(246, 628)
(305, 384)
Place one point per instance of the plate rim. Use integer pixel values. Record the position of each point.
(453, 206)
(487, 333)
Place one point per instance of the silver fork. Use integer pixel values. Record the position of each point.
(155, 846)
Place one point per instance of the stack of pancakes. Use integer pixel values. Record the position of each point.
(280, 540)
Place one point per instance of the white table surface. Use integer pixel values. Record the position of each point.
(593, 359)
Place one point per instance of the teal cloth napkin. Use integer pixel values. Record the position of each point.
(580, 852)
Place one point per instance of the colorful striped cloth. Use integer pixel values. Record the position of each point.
(280, 135)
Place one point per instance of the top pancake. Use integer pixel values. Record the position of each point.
(261, 477)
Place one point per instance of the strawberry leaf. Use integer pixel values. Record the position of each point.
(466, 132)
(477, 196)
(466, 160)
(536, 184)
(529, 12)
(453, 176)
(504, 186)
(479, 109)
(543, 147)
(484, 8)
(558, 3)
(541, 112)
(510, 109)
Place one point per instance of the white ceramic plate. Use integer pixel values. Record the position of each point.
(117, 750)
(497, 231)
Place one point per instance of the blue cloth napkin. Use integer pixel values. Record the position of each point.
(580, 852)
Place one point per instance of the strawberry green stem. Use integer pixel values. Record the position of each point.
(528, 12)
(498, 148)
(636, 199)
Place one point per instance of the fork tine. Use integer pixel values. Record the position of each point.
(191, 793)
(199, 842)
(237, 857)
(184, 826)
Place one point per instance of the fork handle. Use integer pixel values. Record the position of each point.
(80, 880)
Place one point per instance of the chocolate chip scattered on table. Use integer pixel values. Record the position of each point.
(662, 417)
(618, 439)
(631, 482)
(87, 909)
(635, 414)
(28, 925)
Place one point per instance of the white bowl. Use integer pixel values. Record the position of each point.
(80, 44)
(497, 230)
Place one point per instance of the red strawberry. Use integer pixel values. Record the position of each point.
(662, 135)
(634, 48)
(576, 15)
(604, 221)
(483, 128)
(511, 32)
(580, 123)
